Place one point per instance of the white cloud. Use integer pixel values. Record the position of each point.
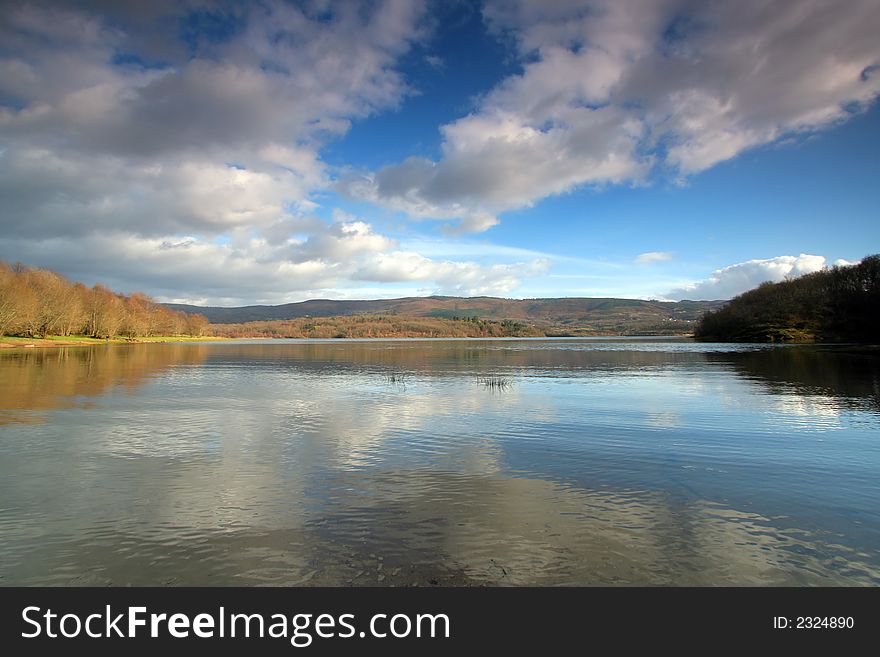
(124, 147)
(733, 280)
(435, 62)
(194, 178)
(652, 256)
(338, 242)
(48, 193)
(308, 258)
(221, 134)
(456, 278)
(613, 89)
(285, 74)
(496, 163)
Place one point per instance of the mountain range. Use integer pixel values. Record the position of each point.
(590, 315)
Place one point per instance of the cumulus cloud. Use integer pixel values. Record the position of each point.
(203, 136)
(652, 256)
(308, 258)
(733, 280)
(457, 278)
(176, 146)
(497, 163)
(50, 193)
(278, 72)
(612, 90)
(187, 166)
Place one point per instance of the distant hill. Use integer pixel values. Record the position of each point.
(554, 316)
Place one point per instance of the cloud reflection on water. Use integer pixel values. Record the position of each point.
(286, 464)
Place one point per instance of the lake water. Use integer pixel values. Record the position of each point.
(450, 462)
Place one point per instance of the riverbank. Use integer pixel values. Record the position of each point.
(15, 342)
(11, 342)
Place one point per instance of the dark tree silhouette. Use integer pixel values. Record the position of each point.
(840, 304)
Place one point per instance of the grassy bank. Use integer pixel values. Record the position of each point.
(10, 341)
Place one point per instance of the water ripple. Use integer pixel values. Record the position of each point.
(393, 462)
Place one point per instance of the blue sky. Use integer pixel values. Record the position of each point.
(230, 153)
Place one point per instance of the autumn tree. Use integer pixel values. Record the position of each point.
(21, 302)
(139, 315)
(107, 313)
(196, 325)
(38, 302)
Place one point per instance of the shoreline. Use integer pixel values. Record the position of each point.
(10, 342)
(14, 342)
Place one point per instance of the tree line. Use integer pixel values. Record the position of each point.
(839, 304)
(376, 326)
(38, 302)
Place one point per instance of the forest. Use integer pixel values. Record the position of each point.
(839, 304)
(38, 303)
(377, 326)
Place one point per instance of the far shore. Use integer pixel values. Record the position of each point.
(16, 342)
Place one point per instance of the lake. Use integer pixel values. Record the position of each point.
(440, 462)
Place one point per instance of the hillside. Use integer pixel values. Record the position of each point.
(841, 304)
(564, 316)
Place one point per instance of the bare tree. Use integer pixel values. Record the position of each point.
(38, 302)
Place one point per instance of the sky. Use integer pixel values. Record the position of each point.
(230, 153)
